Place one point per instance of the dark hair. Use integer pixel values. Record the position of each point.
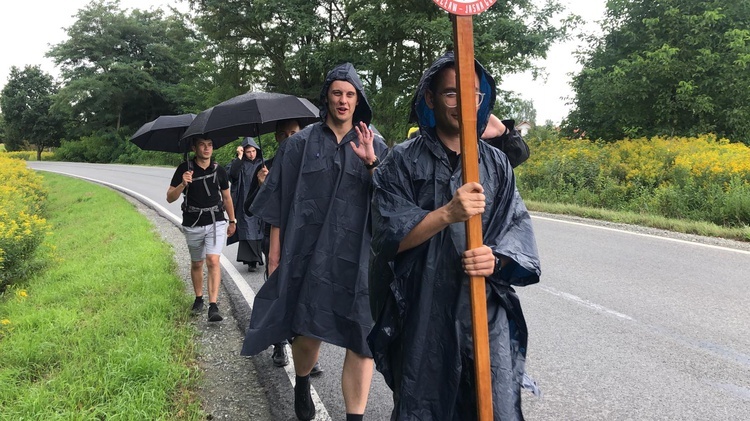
(436, 76)
(281, 123)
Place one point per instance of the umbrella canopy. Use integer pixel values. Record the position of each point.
(250, 114)
(163, 134)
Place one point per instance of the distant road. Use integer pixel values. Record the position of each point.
(625, 325)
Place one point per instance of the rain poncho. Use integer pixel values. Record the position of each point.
(422, 338)
(318, 194)
(241, 173)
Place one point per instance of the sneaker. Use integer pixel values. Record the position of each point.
(197, 306)
(304, 407)
(213, 313)
(279, 356)
(316, 370)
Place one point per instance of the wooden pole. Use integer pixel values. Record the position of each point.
(463, 40)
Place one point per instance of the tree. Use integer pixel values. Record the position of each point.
(289, 45)
(27, 104)
(513, 106)
(123, 69)
(666, 67)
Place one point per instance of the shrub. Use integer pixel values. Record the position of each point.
(700, 178)
(22, 227)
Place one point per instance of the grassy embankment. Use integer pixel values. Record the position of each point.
(103, 332)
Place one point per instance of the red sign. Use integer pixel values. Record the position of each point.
(464, 7)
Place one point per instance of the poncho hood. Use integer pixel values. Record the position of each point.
(425, 117)
(346, 72)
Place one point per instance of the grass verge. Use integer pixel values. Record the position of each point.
(684, 226)
(104, 332)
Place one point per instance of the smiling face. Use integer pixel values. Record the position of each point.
(342, 101)
(444, 106)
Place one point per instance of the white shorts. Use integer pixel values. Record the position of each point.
(200, 240)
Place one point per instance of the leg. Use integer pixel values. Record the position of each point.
(214, 276)
(196, 274)
(305, 353)
(355, 381)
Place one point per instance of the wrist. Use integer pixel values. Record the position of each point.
(232, 221)
(372, 163)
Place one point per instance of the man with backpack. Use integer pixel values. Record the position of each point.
(205, 186)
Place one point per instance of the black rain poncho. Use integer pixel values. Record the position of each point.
(422, 338)
(241, 173)
(318, 194)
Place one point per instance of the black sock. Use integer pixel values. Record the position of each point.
(213, 305)
(198, 298)
(303, 381)
(354, 417)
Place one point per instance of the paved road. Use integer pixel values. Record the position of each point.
(625, 325)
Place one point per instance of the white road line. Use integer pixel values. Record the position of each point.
(676, 240)
(584, 302)
(321, 414)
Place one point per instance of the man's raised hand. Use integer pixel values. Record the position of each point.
(365, 150)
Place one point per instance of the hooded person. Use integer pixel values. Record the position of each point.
(249, 233)
(501, 134)
(419, 274)
(316, 198)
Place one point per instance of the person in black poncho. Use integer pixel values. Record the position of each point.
(249, 234)
(419, 291)
(316, 198)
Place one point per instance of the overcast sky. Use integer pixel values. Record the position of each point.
(30, 27)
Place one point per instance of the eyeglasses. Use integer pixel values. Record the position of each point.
(451, 99)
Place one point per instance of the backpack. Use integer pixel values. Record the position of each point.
(213, 209)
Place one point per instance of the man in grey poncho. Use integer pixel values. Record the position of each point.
(419, 291)
(316, 198)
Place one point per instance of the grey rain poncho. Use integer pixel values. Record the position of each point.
(422, 338)
(241, 173)
(318, 194)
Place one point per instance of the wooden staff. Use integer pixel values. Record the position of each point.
(463, 40)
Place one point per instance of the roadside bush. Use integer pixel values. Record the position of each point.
(22, 227)
(102, 147)
(29, 155)
(700, 178)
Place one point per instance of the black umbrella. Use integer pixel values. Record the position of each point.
(250, 114)
(163, 134)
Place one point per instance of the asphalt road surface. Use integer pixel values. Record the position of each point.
(627, 323)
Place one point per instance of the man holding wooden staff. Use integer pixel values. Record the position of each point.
(419, 291)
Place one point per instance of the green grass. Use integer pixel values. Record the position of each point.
(104, 332)
(689, 227)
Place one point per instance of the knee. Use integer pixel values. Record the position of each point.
(196, 265)
(212, 261)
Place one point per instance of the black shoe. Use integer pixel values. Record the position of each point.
(304, 407)
(316, 370)
(279, 356)
(213, 313)
(197, 306)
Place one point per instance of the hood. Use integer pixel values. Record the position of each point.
(346, 72)
(249, 141)
(423, 115)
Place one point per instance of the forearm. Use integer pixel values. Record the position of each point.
(274, 249)
(432, 224)
(173, 193)
(228, 204)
